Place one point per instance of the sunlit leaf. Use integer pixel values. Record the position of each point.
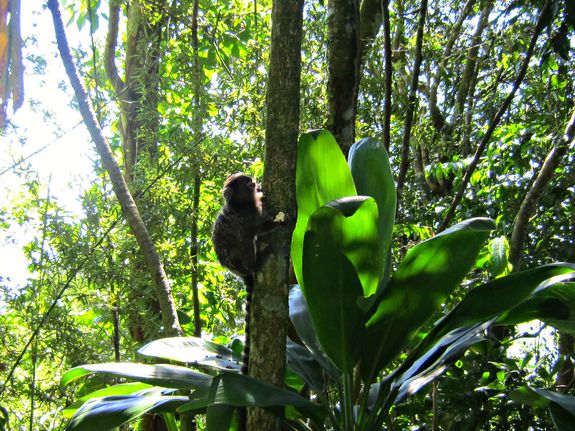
(193, 350)
(429, 272)
(322, 175)
(369, 164)
(169, 376)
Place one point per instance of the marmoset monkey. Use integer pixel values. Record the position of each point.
(234, 236)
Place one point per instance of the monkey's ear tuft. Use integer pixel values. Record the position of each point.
(232, 178)
(228, 192)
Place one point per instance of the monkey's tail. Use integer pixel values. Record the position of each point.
(249, 282)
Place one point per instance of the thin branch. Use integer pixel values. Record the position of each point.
(537, 189)
(496, 119)
(412, 99)
(388, 74)
(455, 32)
(110, 49)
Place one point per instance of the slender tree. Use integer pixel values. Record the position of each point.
(269, 315)
(129, 208)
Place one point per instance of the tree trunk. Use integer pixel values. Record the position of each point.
(127, 204)
(344, 60)
(411, 102)
(269, 308)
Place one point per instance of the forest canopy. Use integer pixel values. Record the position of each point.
(423, 154)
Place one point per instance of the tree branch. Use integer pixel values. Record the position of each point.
(129, 208)
(110, 48)
(537, 189)
(495, 121)
(412, 99)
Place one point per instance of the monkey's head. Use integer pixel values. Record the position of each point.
(241, 191)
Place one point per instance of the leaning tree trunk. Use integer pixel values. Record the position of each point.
(127, 204)
(269, 309)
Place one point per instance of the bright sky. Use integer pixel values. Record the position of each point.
(65, 151)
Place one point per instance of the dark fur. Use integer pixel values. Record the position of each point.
(235, 233)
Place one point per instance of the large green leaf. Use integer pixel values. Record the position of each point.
(333, 293)
(490, 300)
(219, 417)
(103, 414)
(116, 390)
(322, 175)
(371, 171)
(553, 304)
(350, 225)
(238, 390)
(301, 361)
(427, 275)
(561, 406)
(169, 376)
(194, 351)
(301, 319)
(446, 351)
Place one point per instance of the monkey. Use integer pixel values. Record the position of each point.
(238, 225)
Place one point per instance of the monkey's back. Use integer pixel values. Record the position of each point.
(234, 239)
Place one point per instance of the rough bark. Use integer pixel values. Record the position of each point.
(388, 74)
(370, 19)
(539, 186)
(411, 102)
(269, 309)
(495, 120)
(344, 61)
(127, 204)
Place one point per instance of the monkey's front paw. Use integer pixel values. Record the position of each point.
(281, 217)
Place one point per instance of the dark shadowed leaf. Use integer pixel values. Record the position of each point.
(103, 414)
(489, 300)
(239, 390)
(302, 362)
(431, 365)
(219, 417)
(333, 292)
(300, 317)
(553, 304)
(561, 406)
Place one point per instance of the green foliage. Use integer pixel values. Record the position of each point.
(109, 282)
(345, 324)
